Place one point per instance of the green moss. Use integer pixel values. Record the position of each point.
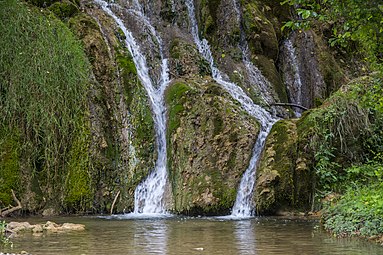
(9, 165)
(174, 49)
(176, 96)
(44, 85)
(63, 9)
(208, 147)
(218, 125)
(42, 3)
(80, 23)
(275, 181)
(78, 188)
(209, 16)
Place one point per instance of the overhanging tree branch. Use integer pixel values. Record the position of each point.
(290, 104)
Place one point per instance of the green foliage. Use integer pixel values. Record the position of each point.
(358, 212)
(63, 9)
(43, 90)
(337, 130)
(9, 165)
(4, 240)
(350, 21)
(369, 90)
(364, 174)
(78, 181)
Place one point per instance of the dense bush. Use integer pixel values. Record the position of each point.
(349, 21)
(359, 210)
(43, 103)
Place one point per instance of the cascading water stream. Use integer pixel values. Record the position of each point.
(243, 205)
(255, 75)
(149, 195)
(295, 89)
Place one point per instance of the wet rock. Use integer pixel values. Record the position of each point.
(19, 227)
(72, 226)
(16, 227)
(314, 66)
(210, 143)
(283, 176)
(230, 27)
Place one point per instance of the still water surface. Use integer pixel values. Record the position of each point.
(177, 235)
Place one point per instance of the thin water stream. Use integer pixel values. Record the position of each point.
(256, 77)
(149, 195)
(179, 235)
(295, 88)
(243, 206)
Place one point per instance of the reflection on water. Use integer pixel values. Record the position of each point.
(177, 236)
(150, 238)
(245, 236)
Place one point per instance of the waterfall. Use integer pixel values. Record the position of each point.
(149, 195)
(295, 86)
(243, 206)
(255, 75)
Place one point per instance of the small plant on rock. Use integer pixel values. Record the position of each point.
(4, 239)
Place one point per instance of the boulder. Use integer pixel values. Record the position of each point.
(210, 141)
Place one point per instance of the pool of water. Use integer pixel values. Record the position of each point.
(181, 235)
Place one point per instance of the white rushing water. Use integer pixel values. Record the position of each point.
(149, 195)
(295, 88)
(243, 206)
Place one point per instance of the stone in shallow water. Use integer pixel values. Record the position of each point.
(49, 226)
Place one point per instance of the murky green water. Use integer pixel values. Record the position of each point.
(177, 236)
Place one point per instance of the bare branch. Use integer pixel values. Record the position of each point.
(114, 201)
(291, 104)
(13, 208)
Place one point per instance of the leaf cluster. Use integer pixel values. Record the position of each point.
(358, 212)
(4, 240)
(351, 21)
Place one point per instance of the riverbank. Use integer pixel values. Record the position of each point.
(357, 213)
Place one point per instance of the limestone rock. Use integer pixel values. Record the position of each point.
(52, 227)
(210, 140)
(282, 176)
(316, 68)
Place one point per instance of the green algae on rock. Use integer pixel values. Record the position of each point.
(210, 144)
(283, 178)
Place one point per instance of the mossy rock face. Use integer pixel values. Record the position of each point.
(229, 29)
(64, 9)
(104, 151)
(319, 73)
(185, 59)
(260, 32)
(283, 178)
(123, 146)
(78, 188)
(210, 140)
